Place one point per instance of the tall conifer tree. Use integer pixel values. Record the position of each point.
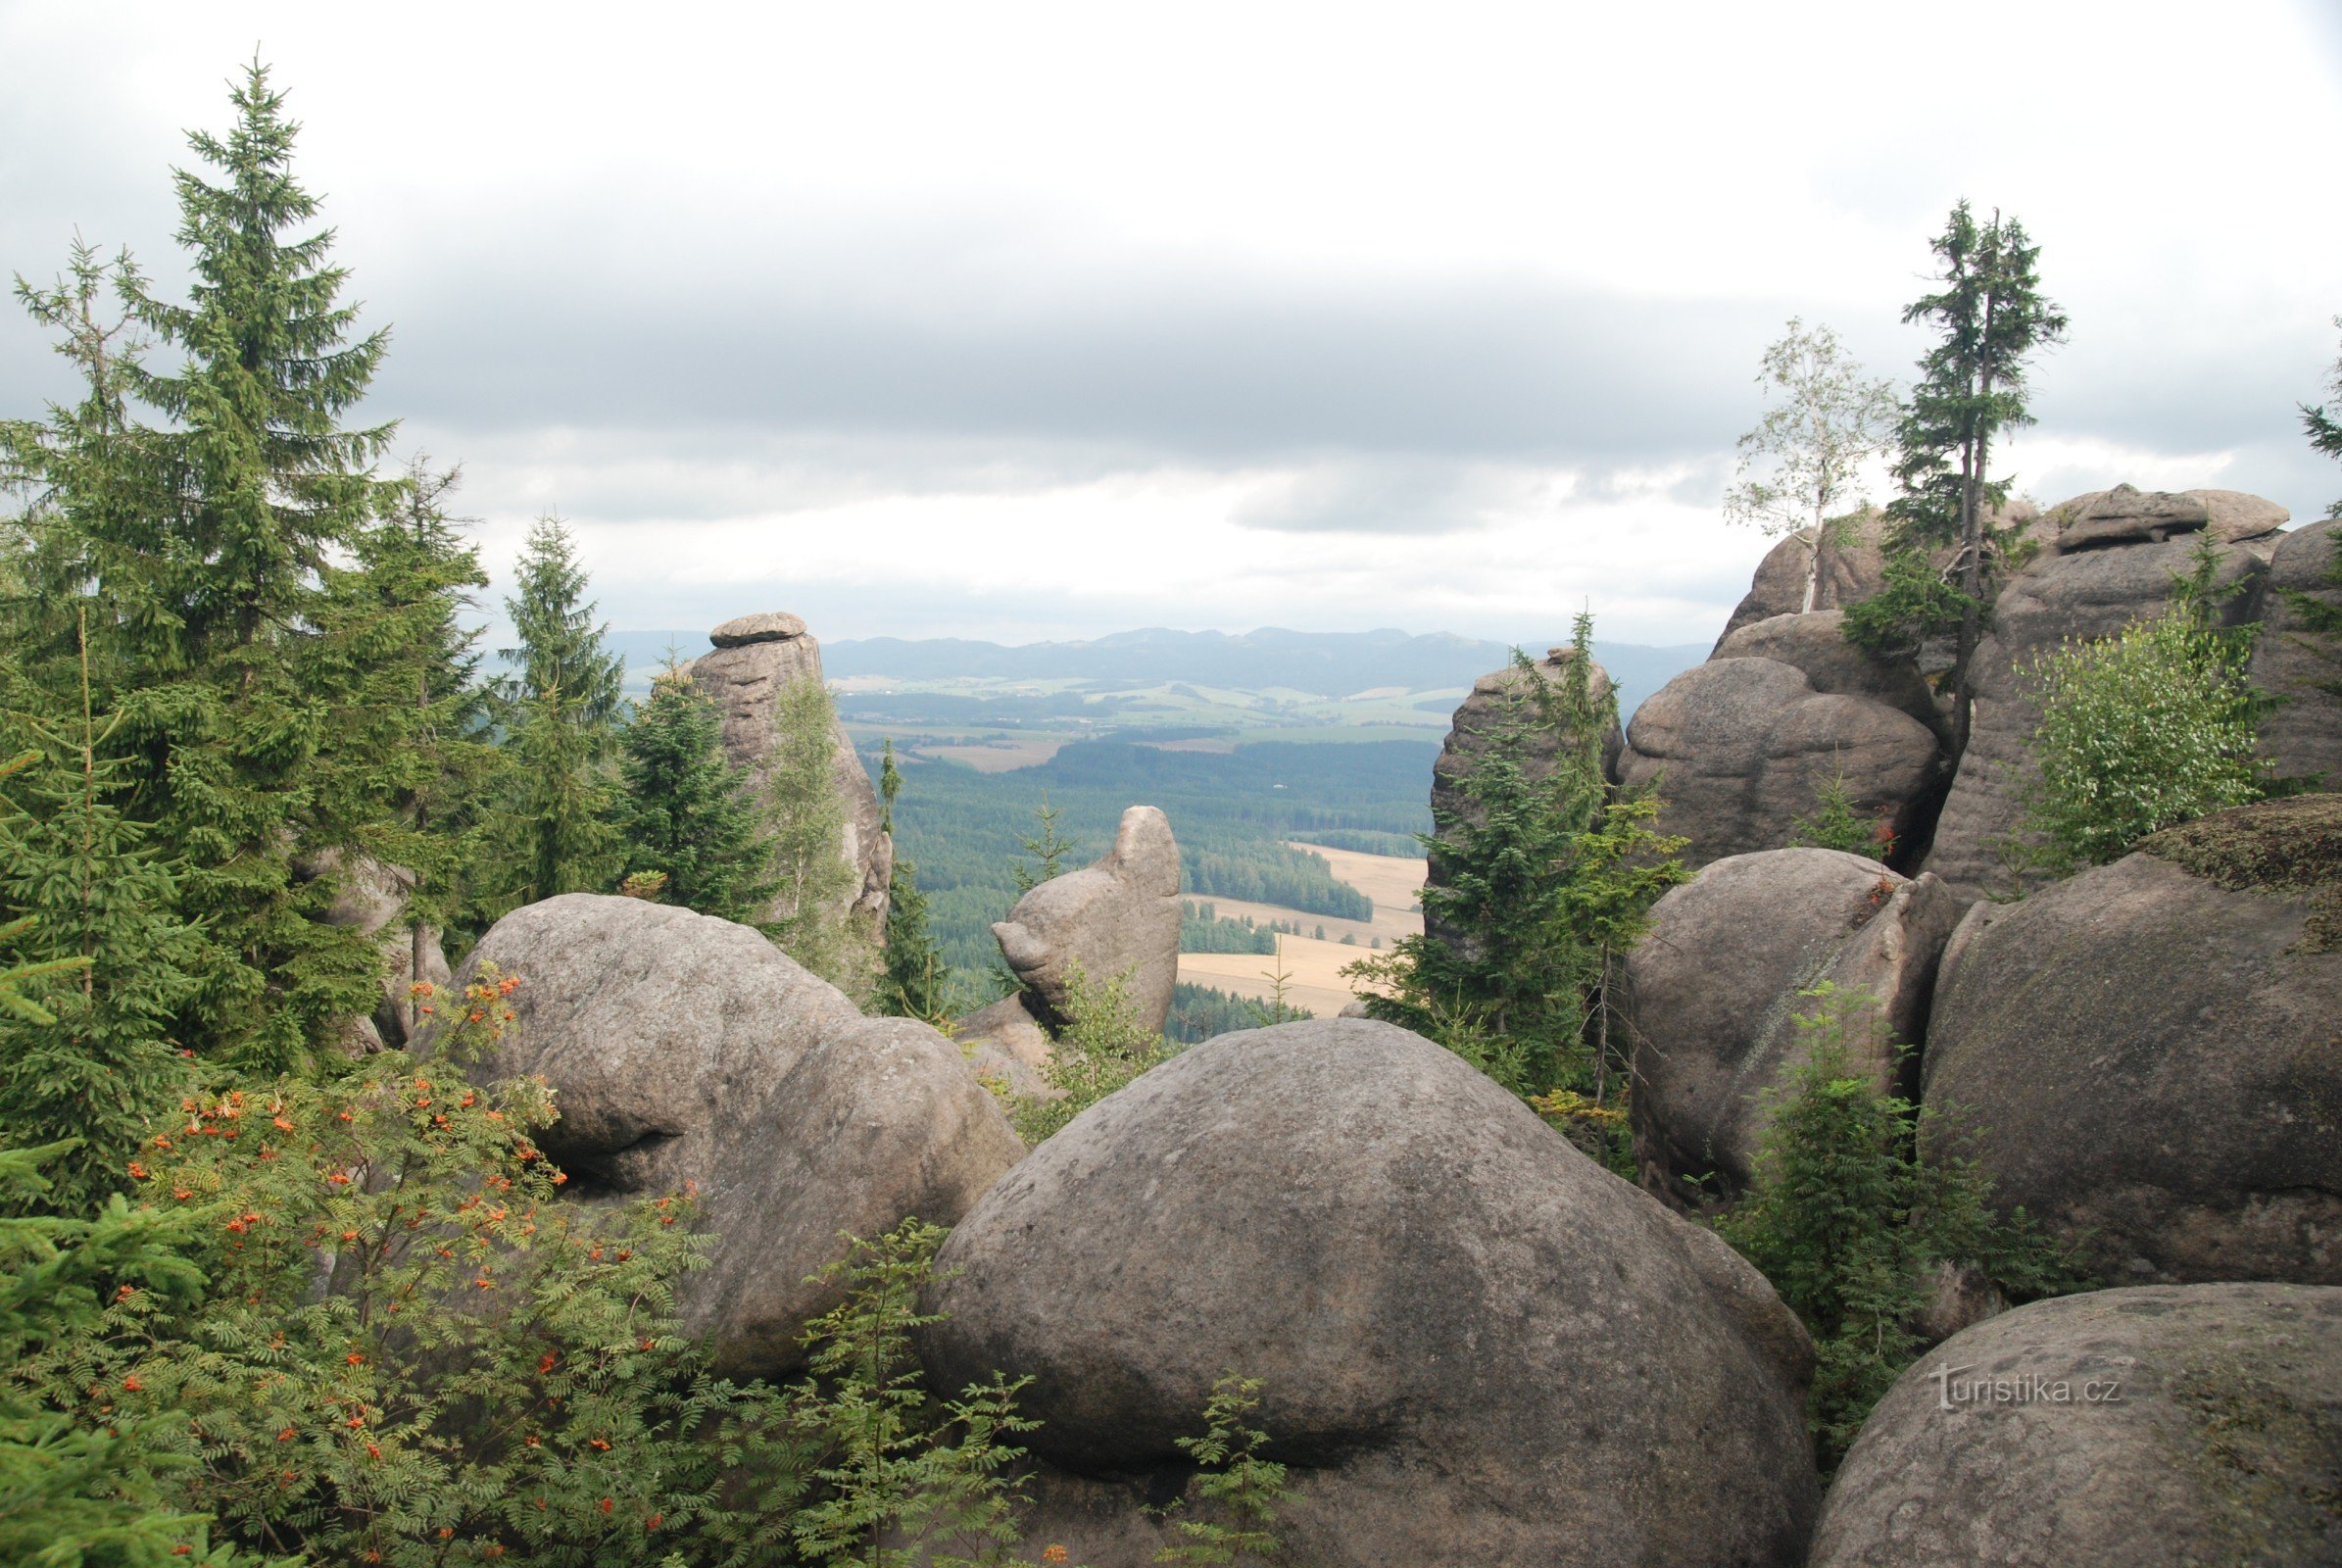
(687, 812)
(916, 982)
(560, 704)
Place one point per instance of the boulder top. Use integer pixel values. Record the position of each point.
(766, 626)
(2292, 844)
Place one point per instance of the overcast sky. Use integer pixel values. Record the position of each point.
(1022, 322)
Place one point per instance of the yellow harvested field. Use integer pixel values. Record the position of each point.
(1313, 972)
(996, 757)
(1314, 968)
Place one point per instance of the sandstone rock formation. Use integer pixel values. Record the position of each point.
(1497, 697)
(755, 657)
(682, 1048)
(1474, 1345)
(1853, 568)
(2084, 593)
(2149, 1054)
(2126, 514)
(2153, 1427)
(1816, 644)
(372, 897)
(1117, 917)
(1740, 748)
(1712, 998)
(2304, 735)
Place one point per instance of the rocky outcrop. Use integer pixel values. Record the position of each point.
(2126, 514)
(2146, 1054)
(2086, 593)
(1115, 919)
(1711, 999)
(1739, 749)
(2160, 1426)
(1473, 1344)
(1817, 644)
(756, 657)
(372, 897)
(1853, 568)
(2303, 735)
(1500, 698)
(683, 1049)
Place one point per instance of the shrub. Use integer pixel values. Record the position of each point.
(404, 1349)
(1235, 1481)
(1099, 1050)
(2148, 729)
(1848, 1222)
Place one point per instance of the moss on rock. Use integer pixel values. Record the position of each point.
(2291, 847)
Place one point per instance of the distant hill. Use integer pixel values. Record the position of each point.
(1328, 663)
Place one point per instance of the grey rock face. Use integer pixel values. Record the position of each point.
(2199, 1423)
(2150, 1063)
(686, 1049)
(1853, 568)
(1817, 644)
(372, 897)
(756, 657)
(1712, 998)
(1474, 1345)
(1470, 735)
(2088, 594)
(2304, 734)
(1739, 749)
(2125, 514)
(1118, 917)
(1007, 1043)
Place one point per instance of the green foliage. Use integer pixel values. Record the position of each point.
(1099, 1050)
(806, 828)
(1542, 883)
(1199, 1013)
(1990, 317)
(2153, 726)
(1848, 1222)
(1837, 826)
(1202, 929)
(559, 707)
(101, 963)
(1047, 847)
(1914, 603)
(686, 810)
(2318, 612)
(235, 568)
(1233, 1481)
(492, 1373)
(917, 984)
(1800, 466)
(100, 1495)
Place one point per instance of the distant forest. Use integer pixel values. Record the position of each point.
(1232, 812)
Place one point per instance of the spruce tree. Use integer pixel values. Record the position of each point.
(559, 703)
(1990, 317)
(916, 982)
(205, 547)
(685, 810)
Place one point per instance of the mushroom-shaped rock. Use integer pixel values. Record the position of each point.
(1473, 1344)
(1713, 999)
(2148, 1056)
(1740, 749)
(2156, 1427)
(1117, 918)
(2293, 663)
(756, 658)
(1499, 699)
(682, 1049)
(2088, 594)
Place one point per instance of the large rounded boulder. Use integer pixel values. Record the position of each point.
(685, 1051)
(1475, 1346)
(2157, 1427)
(1741, 749)
(1715, 989)
(2148, 1056)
